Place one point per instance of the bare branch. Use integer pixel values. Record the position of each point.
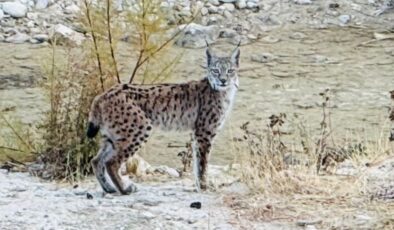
(87, 8)
(110, 41)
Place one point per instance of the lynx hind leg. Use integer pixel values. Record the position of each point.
(99, 167)
(130, 141)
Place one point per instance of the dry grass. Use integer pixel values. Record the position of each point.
(350, 193)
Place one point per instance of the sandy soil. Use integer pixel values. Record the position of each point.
(302, 64)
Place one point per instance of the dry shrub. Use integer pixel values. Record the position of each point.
(71, 85)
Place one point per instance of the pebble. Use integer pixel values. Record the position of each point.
(263, 58)
(344, 19)
(196, 205)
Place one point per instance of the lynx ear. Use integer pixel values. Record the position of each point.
(235, 56)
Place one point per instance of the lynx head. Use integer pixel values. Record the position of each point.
(222, 71)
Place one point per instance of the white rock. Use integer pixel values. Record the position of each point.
(303, 2)
(214, 2)
(164, 4)
(344, 19)
(41, 4)
(1, 14)
(213, 10)
(15, 9)
(227, 14)
(18, 38)
(195, 35)
(71, 9)
(241, 4)
(251, 5)
(30, 24)
(1, 38)
(204, 11)
(32, 15)
(68, 34)
(228, 1)
(229, 6)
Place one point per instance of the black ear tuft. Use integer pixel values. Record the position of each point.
(209, 56)
(235, 56)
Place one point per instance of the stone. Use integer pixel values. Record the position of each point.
(214, 2)
(41, 37)
(241, 4)
(196, 205)
(204, 11)
(344, 19)
(195, 35)
(229, 7)
(228, 33)
(263, 57)
(68, 35)
(303, 2)
(251, 5)
(14, 9)
(1, 14)
(1, 38)
(227, 1)
(213, 10)
(30, 24)
(41, 4)
(227, 14)
(18, 38)
(71, 9)
(32, 15)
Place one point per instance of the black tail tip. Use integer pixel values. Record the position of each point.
(92, 130)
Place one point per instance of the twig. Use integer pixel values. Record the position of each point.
(110, 41)
(16, 133)
(16, 150)
(95, 43)
(142, 60)
(13, 160)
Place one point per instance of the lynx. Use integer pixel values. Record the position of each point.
(126, 114)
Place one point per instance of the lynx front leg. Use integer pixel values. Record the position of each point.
(201, 157)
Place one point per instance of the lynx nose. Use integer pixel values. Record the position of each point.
(223, 81)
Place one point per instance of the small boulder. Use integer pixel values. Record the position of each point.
(67, 35)
(195, 35)
(41, 4)
(15, 9)
(18, 38)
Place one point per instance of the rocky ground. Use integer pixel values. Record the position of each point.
(164, 202)
(291, 51)
(36, 21)
(160, 203)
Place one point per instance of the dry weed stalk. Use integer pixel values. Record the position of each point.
(263, 163)
(391, 116)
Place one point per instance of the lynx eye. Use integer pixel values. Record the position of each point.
(231, 71)
(215, 71)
